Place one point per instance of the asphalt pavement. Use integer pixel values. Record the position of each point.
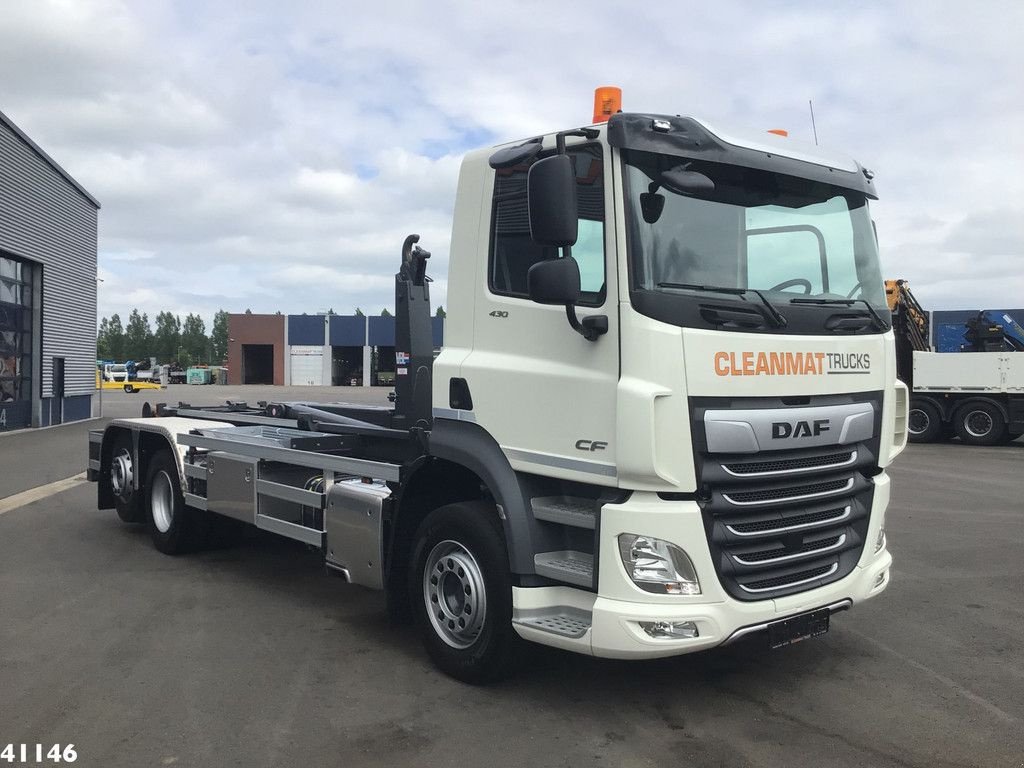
(254, 656)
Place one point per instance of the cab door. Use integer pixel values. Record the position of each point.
(546, 394)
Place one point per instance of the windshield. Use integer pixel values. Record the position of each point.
(788, 237)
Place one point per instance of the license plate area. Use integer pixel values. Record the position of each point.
(797, 628)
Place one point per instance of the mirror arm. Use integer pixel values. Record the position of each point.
(591, 327)
(587, 133)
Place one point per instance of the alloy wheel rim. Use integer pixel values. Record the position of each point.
(919, 421)
(454, 594)
(978, 423)
(162, 502)
(122, 474)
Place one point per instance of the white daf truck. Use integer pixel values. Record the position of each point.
(661, 420)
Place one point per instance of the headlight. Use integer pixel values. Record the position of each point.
(657, 566)
(880, 542)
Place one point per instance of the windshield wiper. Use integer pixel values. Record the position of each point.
(880, 324)
(776, 317)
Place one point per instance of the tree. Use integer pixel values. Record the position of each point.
(193, 338)
(102, 344)
(115, 338)
(359, 312)
(138, 337)
(440, 312)
(249, 312)
(166, 337)
(384, 312)
(219, 337)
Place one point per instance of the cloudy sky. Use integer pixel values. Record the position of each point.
(272, 155)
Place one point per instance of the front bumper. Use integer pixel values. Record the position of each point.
(617, 609)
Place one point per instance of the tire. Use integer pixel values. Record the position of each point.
(980, 423)
(460, 589)
(127, 500)
(174, 528)
(924, 422)
(129, 388)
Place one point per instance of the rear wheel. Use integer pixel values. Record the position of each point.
(173, 527)
(129, 388)
(127, 499)
(981, 423)
(924, 423)
(461, 592)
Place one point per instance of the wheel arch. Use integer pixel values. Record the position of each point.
(464, 463)
(145, 444)
(470, 446)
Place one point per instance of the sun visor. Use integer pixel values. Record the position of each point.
(686, 137)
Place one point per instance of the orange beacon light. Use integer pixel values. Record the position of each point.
(607, 101)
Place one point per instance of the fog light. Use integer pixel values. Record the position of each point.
(880, 579)
(657, 566)
(670, 629)
(881, 540)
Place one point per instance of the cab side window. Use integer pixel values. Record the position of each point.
(513, 252)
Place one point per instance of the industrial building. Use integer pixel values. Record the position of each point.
(315, 350)
(47, 287)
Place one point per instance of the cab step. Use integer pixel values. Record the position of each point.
(567, 510)
(564, 621)
(567, 565)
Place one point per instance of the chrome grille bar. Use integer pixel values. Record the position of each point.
(795, 470)
(787, 499)
(795, 556)
(773, 588)
(845, 513)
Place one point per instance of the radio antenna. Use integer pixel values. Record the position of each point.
(810, 103)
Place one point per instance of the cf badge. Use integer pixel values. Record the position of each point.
(590, 445)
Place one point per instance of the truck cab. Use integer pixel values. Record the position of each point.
(115, 372)
(734, 417)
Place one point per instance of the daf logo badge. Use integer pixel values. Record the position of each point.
(782, 430)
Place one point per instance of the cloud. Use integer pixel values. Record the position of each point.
(274, 158)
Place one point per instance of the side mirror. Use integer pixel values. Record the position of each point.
(556, 281)
(551, 193)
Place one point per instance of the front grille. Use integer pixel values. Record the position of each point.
(781, 552)
(768, 495)
(782, 466)
(790, 580)
(776, 524)
(781, 522)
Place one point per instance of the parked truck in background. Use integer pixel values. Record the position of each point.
(661, 420)
(115, 372)
(976, 394)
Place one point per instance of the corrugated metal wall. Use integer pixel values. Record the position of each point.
(44, 218)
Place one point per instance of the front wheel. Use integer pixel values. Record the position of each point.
(129, 388)
(461, 591)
